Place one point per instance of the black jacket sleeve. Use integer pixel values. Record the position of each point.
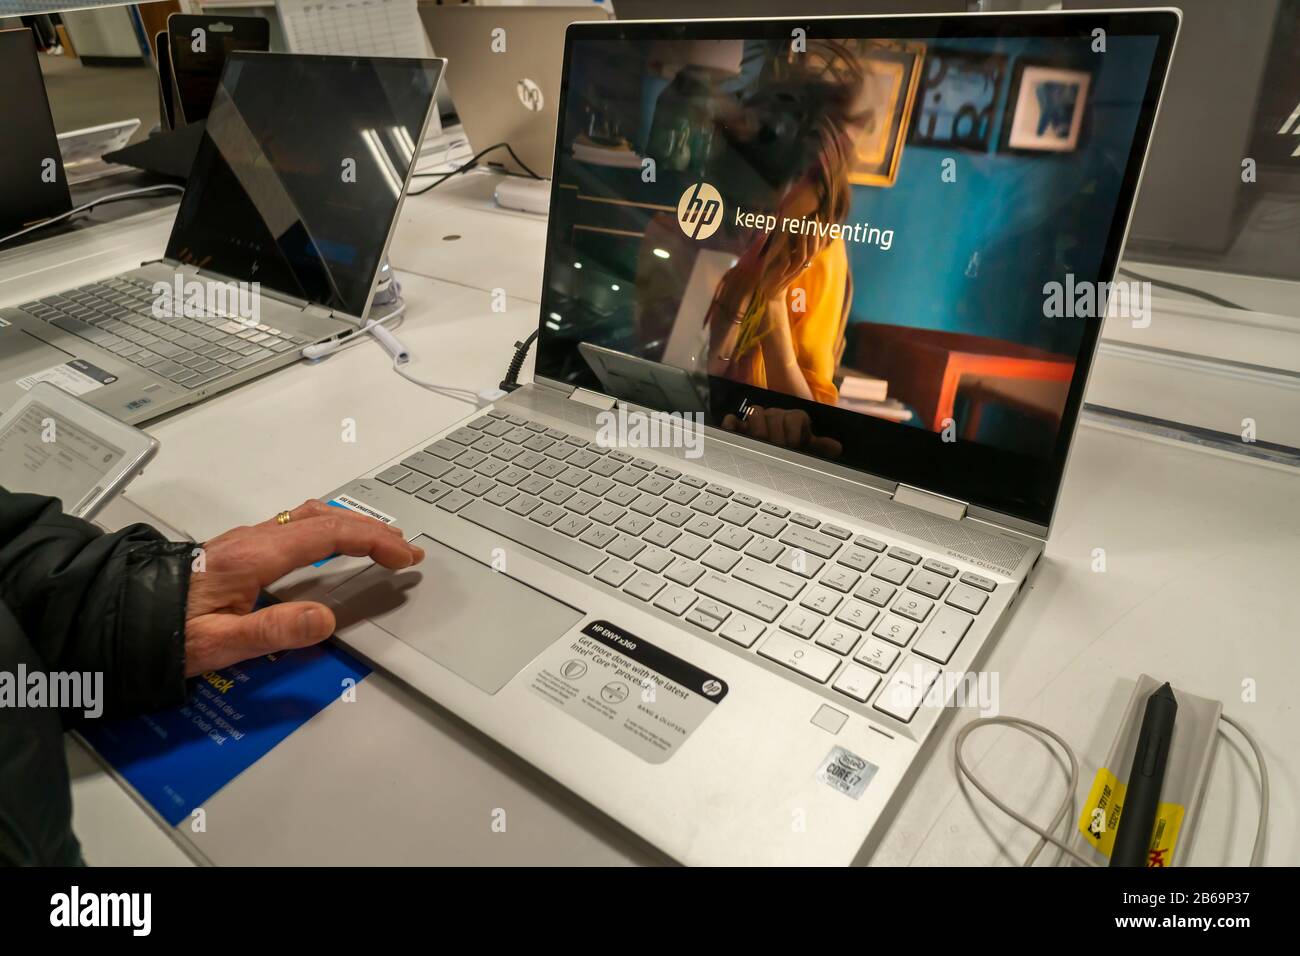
(89, 601)
(75, 599)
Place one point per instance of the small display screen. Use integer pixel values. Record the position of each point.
(298, 192)
(44, 453)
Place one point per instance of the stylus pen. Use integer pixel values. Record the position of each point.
(1138, 816)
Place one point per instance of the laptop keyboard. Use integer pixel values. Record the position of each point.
(837, 608)
(117, 315)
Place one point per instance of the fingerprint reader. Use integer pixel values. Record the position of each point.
(829, 719)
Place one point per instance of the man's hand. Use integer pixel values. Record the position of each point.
(221, 627)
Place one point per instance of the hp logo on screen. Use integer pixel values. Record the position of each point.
(699, 211)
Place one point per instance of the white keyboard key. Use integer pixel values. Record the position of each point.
(877, 654)
(800, 562)
(653, 559)
(733, 537)
(676, 515)
(981, 582)
(720, 559)
(708, 503)
(740, 596)
(894, 629)
(912, 606)
(690, 546)
(838, 638)
(622, 496)
(684, 572)
(821, 600)
(548, 514)
(812, 662)
(874, 592)
(768, 578)
(942, 567)
(811, 541)
(680, 494)
(661, 535)
(743, 630)
(675, 600)
(598, 536)
(736, 514)
(904, 693)
(841, 579)
(713, 609)
(614, 572)
(767, 526)
(573, 525)
(606, 513)
(708, 615)
(700, 619)
(929, 583)
(704, 526)
(859, 559)
(633, 524)
(967, 598)
(801, 622)
(765, 549)
(626, 548)
(903, 554)
(856, 682)
(644, 585)
(943, 634)
(891, 570)
(856, 614)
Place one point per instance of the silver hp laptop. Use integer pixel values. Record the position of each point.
(734, 634)
(277, 243)
(506, 76)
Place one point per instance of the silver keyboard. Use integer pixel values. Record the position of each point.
(833, 607)
(117, 315)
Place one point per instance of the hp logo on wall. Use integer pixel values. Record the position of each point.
(530, 94)
(699, 211)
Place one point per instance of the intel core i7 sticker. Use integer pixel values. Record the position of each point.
(846, 772)
(636, 694)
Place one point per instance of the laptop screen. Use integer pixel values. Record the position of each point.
(878, 241)
(298, 177)
(33, 185)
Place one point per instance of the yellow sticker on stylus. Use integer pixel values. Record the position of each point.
(1100, 820)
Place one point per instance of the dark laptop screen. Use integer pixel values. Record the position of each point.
(297, 179)
(32, 182)
(879, 228)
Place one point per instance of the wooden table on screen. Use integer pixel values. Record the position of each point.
(925, 367)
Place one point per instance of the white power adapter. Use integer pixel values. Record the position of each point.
(527, 195)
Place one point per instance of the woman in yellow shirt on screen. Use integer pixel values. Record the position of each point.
(777, 318)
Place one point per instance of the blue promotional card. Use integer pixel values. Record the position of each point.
(177, 759)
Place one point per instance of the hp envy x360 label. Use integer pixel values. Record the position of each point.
(77, 377)
(634, 693)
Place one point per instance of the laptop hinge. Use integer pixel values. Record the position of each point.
(592, 399)
(929, 501)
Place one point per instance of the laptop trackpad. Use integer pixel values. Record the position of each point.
(472, 620)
